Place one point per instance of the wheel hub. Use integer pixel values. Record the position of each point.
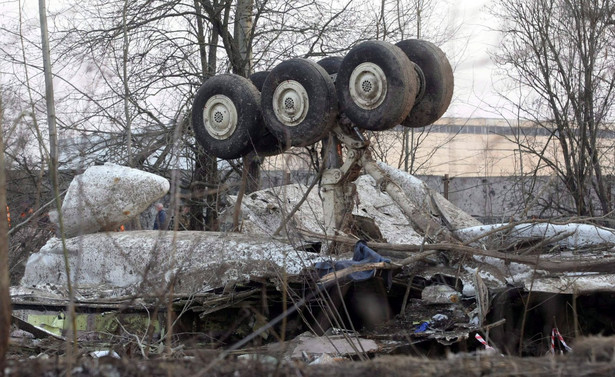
(220, 117)
(290, 103)
(368, 86)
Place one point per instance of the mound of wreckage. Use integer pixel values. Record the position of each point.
(417, 277)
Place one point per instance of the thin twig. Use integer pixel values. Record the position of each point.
(33, 215)
(299, 204)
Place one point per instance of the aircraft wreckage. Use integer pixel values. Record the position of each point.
(378, 255)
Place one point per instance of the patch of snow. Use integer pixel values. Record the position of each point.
(104, 353)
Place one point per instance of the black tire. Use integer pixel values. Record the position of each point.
(438, 82)
(376, 85)
(331, 64)
(298, 102)
(226, 127)
(258, 79)
(265, 144)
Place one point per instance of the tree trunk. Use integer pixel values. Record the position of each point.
(5, 300)
(203, 213)
(243, 32)
(252, 168)
(128, 124)
(53, 169)
(559, 50)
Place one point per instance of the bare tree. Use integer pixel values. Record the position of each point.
(53, 166)
(396, 21)
(167, 50)
(129, 71)
(5, 300)
(558, 53)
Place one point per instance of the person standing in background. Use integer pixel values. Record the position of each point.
(161, 217)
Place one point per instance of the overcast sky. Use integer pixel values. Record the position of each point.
(474, 95)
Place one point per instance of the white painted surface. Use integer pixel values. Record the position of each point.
(145, 262)
(107, 196)
(573, 235)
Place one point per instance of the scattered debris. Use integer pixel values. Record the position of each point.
(35, 330)
(104, 353)
(440, 294)
(308, 345)
(326, 359)
(431, 279)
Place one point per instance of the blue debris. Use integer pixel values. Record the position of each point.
(362, 255)
(422, 327)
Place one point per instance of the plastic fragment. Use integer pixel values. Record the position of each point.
(422, 327)
(555, 333)
(483, 342)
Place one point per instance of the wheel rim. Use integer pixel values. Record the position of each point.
(368, 86)
(220, 117)
(290, 103)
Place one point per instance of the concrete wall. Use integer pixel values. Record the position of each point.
(489, 199)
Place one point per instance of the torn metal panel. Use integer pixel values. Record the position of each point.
(36, 331)
(146, 262)
(387, 215)
(52, 323)
(307, 344)
(572, 284)
(427, 199)
(263, 211)
(573, 235)
(107, 196)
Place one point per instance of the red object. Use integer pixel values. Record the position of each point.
(555, 332)
(483, 341)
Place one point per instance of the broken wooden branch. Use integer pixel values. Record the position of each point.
(546, 241)
(374, 266)
(215, 304)
(290, 215)
(332, 276)
(597, 265)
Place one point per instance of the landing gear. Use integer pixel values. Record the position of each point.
(226, 116)
(299, 103)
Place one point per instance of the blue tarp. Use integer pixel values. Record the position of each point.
(362, 255)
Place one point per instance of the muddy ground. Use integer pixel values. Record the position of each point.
(593, 357)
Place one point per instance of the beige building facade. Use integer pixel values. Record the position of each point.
(454, 146)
